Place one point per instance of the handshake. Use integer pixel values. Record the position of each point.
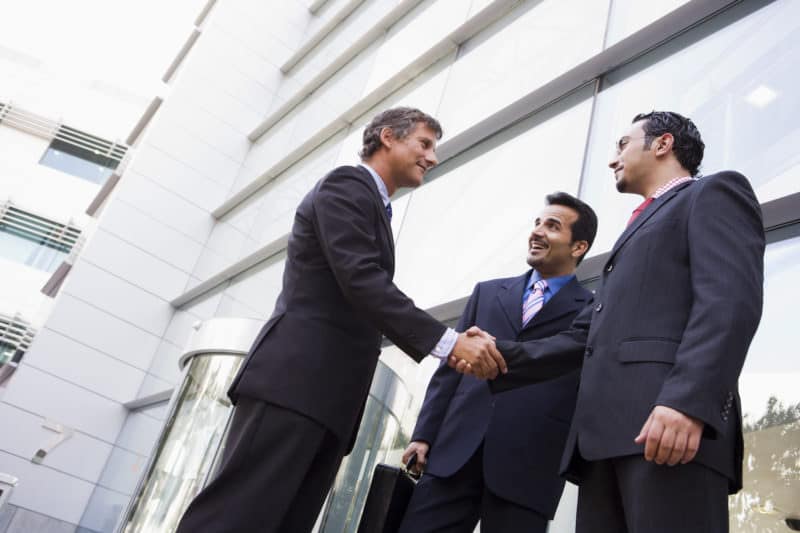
(475, 353)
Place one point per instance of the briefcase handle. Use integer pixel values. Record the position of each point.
(411, 462)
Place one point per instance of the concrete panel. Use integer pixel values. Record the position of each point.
(123, 470)
(79, 321)
(103, 512)
(139, 433)
(134, 226)
(79, 364)
(173, 210)
(165, 362)
(26, 521)
(64, 498)
(53, 398)
(81, 455)
(134, 265)
(181, 178)
(118, 297)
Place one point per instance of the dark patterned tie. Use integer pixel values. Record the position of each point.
(389, 210)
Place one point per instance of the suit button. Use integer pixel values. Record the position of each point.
(609, 268)
(589, 351)
(598, 307)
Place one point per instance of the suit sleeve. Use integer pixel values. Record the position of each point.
(346, 223)
(726, 256)
(543, 359)
(443, 384)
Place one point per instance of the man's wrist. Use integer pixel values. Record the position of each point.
(446, 344)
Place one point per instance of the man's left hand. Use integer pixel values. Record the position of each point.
(670, 436)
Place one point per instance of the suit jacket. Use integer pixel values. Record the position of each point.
(317, 354)
(680, 301)
(523, 430)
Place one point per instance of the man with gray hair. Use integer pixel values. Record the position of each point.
(301, 392)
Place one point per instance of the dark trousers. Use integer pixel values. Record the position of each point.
(631, 495)
(276, 470)
(455, 504)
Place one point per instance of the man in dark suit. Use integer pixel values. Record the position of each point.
(656, 440)
(496, 459)
(301, 391)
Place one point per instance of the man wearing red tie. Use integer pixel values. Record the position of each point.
(656, 439)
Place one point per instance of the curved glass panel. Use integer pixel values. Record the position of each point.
(186, 450)
(380, 440)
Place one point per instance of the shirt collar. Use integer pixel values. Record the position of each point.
(674, 182)
(553, 284)
(384, 192)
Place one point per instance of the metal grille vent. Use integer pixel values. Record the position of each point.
(16, 335)
(45, 128)
(62, 237)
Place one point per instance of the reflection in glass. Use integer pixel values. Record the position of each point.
(484, 202)
(186, 450)
(629, 16)
(380, 440)
(75, 166)
(735, 78)
(531, 45)
(771, 404)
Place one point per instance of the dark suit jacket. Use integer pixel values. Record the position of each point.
(317, 353)
(523, 430)
(680, 301)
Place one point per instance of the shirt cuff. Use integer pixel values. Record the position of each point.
(445, 345)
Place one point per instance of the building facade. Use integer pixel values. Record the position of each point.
(266, 97)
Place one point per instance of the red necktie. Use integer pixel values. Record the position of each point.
(638, 210)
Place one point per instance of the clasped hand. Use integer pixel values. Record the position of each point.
(475, 353)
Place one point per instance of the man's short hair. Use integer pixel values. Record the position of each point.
(585, 227)
(688, 147)
(401, 120)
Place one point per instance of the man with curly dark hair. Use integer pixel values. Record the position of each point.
(656, 440)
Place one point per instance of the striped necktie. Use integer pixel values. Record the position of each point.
(534, 302)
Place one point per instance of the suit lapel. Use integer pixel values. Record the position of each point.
(566, 300)
(510, 297)
(651, 210)
(383, 215)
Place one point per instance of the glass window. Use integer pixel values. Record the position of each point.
(527, 48)
(735, 78)
(82, 155)
(34, 241)
(484, 202)
(771, 403)
(630, 16)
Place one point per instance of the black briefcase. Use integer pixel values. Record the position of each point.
(387, 499)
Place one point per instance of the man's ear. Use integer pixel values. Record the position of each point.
(579, 248)
(663, 144)
(387, 137)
